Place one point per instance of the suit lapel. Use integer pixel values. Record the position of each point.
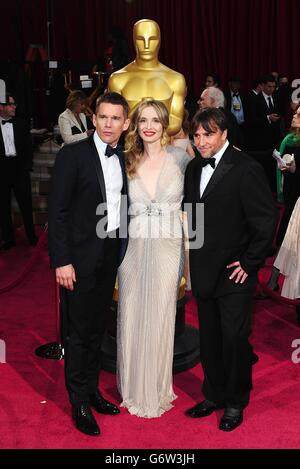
(2, 148)
(197, 179)
(122, 164)
(18, 144)
(224, 165)
(74, 120)
(98, 167)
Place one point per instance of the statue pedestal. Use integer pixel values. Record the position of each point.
(186, 346)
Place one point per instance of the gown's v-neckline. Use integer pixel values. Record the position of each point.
(139, 178)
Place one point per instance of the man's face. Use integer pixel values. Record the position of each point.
(110, 122)
(205, 100)
(235, 86)
(209, 143)
(7, 111)
(146, 37)
(283, 81)
(269, 87)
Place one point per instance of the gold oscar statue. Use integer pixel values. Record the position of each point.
(146, 78)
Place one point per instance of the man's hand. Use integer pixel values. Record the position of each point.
(273, 117)
(65, 276)
(238, 272)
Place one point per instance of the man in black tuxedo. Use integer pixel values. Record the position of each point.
(239, 222)
(86, 248)
(235, 103)
(264, 120)
(15, 165)
(249, 111)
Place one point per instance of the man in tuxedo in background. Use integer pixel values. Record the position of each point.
(250, 108)
(235, 103)
(16, 155)
(264, 121)
(89, 176)
(239, 222)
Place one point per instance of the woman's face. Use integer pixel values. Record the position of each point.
(150, 128)
(79, 107)
(296, 119)
(209, 81)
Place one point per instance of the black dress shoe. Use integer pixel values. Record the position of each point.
(101, 405)
(231, 419)
(5, 245)
(203, 409)
(264, 295)
(84, 420)
(254, 358)
(33, 240)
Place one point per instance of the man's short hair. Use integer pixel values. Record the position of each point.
(217, 95)
(256, 82)
(235, 78)
(8, 95)
(113, 98)
(266, 78)
(210, 119)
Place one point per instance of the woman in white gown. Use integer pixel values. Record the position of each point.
(288, 257)
(150, 273)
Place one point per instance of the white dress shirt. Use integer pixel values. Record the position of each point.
(113, 183)
(266, 96)
(207, 171)
(8, 138)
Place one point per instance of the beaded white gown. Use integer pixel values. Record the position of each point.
(149, 277)
(288, 257)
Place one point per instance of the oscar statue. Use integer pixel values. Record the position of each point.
(147, 78)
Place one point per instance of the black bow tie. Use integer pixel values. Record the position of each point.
(235, 95)
(211, 161)
(113, 151)
(8, 121)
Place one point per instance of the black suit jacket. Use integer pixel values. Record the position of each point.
(77, 189)
(239, 222)
(264, 135)
(23, 144)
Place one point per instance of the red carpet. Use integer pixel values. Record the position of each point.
(34, 409)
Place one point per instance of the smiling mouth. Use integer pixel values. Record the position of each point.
(149, 134)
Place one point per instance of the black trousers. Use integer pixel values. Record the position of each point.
(16, 179)
(88, 307)
(225, 352)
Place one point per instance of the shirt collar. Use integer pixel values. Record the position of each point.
(4, 118)
(221, 152)
(266, 96)
(100, 144)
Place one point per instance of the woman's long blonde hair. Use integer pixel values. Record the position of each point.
(134, 146)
